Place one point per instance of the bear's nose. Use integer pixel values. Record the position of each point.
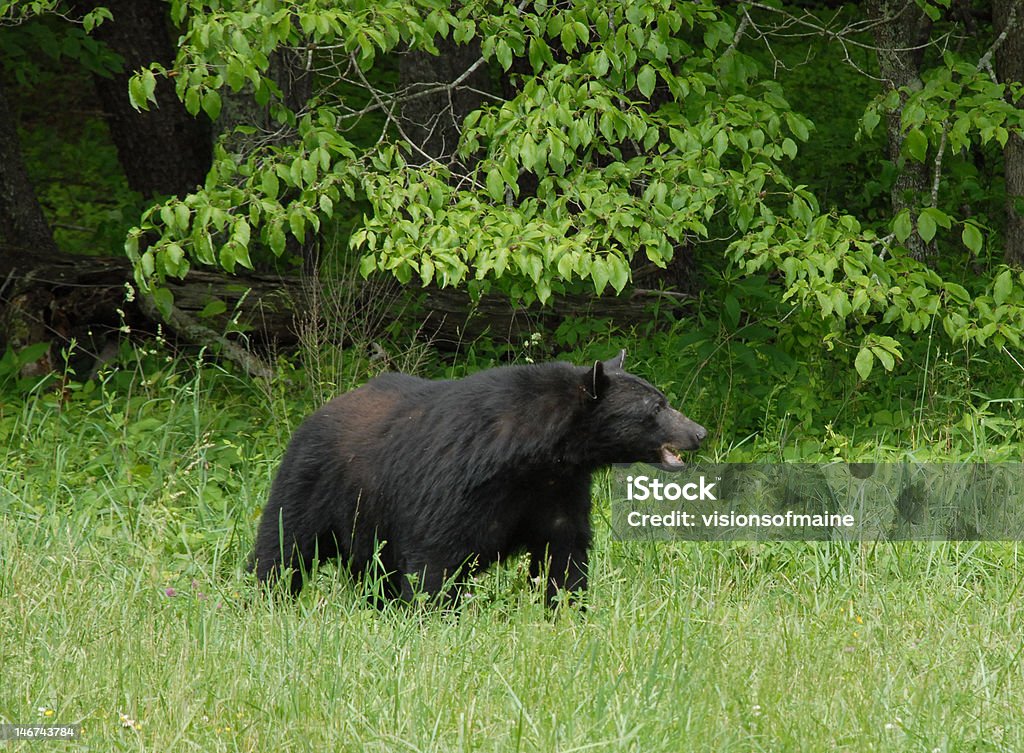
(702, 433)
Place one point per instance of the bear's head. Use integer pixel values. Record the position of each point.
(630, 421)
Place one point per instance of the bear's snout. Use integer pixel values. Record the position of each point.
(698, 431)
(685, 434)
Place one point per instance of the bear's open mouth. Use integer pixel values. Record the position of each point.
(670, 457)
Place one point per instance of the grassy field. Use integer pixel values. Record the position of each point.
(126, 512)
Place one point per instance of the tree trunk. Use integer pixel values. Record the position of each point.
(288, 71)
(901, 30)
(164, 151)
(22, 223)
(433, 121)
(1010, 67)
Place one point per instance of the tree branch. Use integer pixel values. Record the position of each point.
(985, 62)
(188, 328)
(938, 166)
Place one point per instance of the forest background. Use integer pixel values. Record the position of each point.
(804, 221)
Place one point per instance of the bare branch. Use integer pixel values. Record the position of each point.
(392, 120)
(791, 25)
(985, 63)
(938, 165)
(742, 27)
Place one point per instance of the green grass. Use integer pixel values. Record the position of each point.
(140, 484)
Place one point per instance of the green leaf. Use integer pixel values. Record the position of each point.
(1002, 287)
(941, 218)
(137, 93)
(884, 357)
(32, 353)
(234, 74)
(270, 184)
(618, 273)
(164, 301)
(181, 217)
(972, 237)
(215, 307)
(242, 255)
(646, 80)
(798, 126)
(566, 265)
(426, 269)
(958, 292)
(326, 205)
(599, 273)
(916, 144)
(192, 101)
(495, 184)
(902, 226)
(504, 54)
(131, 247)
(527, 152)
(367, 265)
(720, 142)
(926, 227)
(800, 210)
(731, 312)
(172, 257)
(539, 53)
(93, 18)
(212, 103)
(864, 362)
(202, 246)
(240, 232)
(567, 35)
(168, 217)
(870, 120)
(543, 291)
(149, 85)
(297, 223)
(277, 238)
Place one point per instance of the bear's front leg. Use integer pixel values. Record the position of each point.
(432, 580)
(272, 566)
(285, 544)
(559, 542)
(563, 566)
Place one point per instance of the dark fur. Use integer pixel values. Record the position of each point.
(447, 474)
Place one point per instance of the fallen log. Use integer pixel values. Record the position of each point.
(58, 298)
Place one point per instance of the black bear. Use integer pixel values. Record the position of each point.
(435, 479)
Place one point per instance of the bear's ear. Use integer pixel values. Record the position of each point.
(595, 381)
(616, 363)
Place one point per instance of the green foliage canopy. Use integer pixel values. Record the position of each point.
(642, 126)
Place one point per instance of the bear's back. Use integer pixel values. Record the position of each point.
(401, 426)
